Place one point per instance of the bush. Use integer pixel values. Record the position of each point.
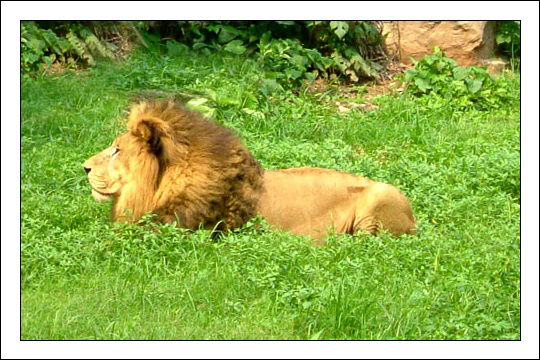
(68, 44)
(353, 46)
(292, 51)
(508, 38)
(287, 62)
(465, 87)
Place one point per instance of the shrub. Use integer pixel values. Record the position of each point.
(508, 38)
(39, 46)
(68, 44)
(353, 46)
(465, 87)
(291, 50)
(287, 62)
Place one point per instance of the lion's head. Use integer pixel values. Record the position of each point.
(173, 163)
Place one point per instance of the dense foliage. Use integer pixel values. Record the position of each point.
(292, 51)
(462, 86)
(508, 38)
(67, 44)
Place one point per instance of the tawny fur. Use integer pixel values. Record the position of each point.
(314, 202)
(173, 163)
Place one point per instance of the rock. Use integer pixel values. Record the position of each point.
(467, 42)
(343, 109)
(494, 66)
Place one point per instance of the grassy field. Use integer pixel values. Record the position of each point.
(459, 278)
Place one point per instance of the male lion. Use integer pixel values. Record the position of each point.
(173, 163)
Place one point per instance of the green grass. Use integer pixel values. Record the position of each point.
(459, 278)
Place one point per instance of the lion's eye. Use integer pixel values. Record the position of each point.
(115, 151)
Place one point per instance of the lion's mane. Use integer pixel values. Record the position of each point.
(188, 170)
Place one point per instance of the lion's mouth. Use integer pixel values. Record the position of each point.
(101, 196)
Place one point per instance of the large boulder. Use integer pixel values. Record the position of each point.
(467, 42)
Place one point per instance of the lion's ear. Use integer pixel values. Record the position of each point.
(151, 130)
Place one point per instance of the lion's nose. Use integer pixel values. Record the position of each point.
(87, 169)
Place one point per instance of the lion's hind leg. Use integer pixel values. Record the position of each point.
(382, 206)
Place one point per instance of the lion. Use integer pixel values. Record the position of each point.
(183, 168)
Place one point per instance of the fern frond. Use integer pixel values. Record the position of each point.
(94, 44)
(79, 47)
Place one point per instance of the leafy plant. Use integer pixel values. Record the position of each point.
(508, 38)
(297, 49)
(39, 46)
(69, 44)
(288, 62)
(352, 45)
(439, 75)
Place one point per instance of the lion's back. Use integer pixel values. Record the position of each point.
(304, 199)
